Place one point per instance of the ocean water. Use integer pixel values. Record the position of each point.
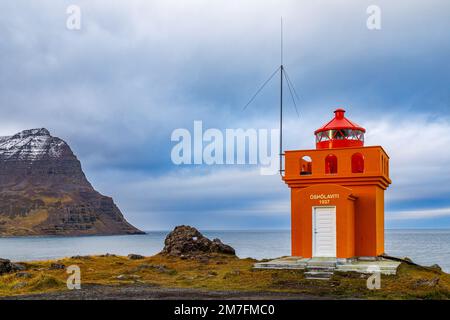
(425, 247)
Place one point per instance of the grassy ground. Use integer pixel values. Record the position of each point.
(222, 273)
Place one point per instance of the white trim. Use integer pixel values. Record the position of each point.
(314, 233)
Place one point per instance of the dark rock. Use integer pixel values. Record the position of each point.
(24, 275)
(218, 246)
(431, 283)
(41, 180)
(57, 266)
(18, 267)
(108, 255)
(6, 266)
(80, 257)
(187, 242)
(133, 256)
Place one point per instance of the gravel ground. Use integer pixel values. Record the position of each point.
(145, 292)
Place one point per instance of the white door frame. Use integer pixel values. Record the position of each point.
(314, 228)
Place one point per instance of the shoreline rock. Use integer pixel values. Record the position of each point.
(6, 266)
(188, 242)
(133, 256)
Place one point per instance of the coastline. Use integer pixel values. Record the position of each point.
(423, 246)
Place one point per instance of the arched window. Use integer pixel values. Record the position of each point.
(331, 164)
(305, 166)
(357, 163)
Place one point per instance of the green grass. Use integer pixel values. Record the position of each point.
(224, 273)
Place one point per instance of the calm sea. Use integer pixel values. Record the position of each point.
(425, 247)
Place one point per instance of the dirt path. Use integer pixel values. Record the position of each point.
(145, 292)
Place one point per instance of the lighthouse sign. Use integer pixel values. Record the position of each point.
(324, 198)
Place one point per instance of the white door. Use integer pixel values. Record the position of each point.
(324, 231)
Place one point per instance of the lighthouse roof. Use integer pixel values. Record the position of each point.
(340, 122)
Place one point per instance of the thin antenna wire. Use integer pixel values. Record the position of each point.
(292, 96)
(292, 85)
(260, 88)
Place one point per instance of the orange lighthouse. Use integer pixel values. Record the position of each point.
(337, 193)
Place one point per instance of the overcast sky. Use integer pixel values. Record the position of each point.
(136, 70)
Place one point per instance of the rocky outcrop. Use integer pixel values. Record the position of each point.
(43, 191)
(187, 241)
(7, 266)
(133, 256)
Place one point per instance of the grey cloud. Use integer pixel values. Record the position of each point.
(139, 69)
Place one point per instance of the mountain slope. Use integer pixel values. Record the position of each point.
(43, 191)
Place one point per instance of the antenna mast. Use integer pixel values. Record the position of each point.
(281, 98)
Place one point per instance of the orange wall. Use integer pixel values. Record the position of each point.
(365, 222)
(347, 250)
(299, 237)
(380, 222)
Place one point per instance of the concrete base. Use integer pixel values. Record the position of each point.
(384, 266)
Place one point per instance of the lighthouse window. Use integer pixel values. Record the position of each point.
(333, 134)
(359, 135)
(305, 166)
(352, 134)
(348, 133)
(322, 136)
(357, 163)
(319, 137)
(339, 135)
(331, 164)
(329, 135)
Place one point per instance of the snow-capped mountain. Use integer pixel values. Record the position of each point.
(33, 144)
(43, 190)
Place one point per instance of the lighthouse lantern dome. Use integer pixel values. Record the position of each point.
(340, 132)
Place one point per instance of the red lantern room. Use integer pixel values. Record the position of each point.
(340, 132)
